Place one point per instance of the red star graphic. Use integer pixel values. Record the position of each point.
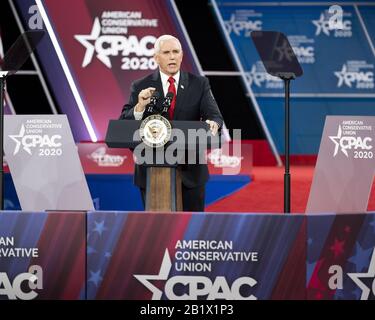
(337, 248)
(319, 296)
(347, 229)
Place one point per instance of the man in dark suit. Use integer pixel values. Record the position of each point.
(193, 100)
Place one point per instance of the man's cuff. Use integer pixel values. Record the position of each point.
(138, 115)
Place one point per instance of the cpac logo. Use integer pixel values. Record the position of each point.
(237, 27)
(350, 142)
(113, 45)
(304, 51)
(14, 290)
(349, 77)
(336, 280)
(198, 286)
(258, 77)
(305, 54)
(29, 141)
(326, 26)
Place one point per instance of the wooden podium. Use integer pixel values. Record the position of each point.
(163, 181)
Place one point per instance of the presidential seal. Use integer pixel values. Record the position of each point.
(155, 131)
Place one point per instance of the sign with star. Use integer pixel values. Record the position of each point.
(145, 256)
(92, 58)
(345, 168)
(341, 257)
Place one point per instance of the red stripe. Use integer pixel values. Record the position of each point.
(62, 255)
(140, 250)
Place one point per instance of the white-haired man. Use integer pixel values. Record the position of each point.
(192, 101)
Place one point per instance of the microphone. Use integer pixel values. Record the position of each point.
(150, 108)
(167, 102)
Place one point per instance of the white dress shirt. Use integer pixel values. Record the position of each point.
(165, 83)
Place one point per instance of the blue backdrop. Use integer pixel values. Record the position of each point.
(338, 63)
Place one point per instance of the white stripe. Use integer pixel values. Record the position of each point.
(317, 95)
(27, 73)
(250, 92)
(222, 73)
(288, 4)
(67, 72)
(35, 62)
(1, 48)
(9, 103)
(365, 30)
(7, 100)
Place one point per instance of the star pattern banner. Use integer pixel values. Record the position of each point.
(190, 256)
(341, 257)
(316, 35)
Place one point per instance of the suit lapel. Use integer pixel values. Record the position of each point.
(181, 93)
(156, 83)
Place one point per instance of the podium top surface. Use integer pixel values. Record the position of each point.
(125, 133)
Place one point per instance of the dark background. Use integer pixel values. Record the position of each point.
(28, 96)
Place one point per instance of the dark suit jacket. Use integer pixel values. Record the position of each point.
(194, 102)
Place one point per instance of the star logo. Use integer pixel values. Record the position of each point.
(88, 41)
(321, 25)
(342, 76)
(165, 268)
(361, 257)
(99, 227)
(95, 277)
(336, 141)
(369, 274)
(285, 51)
(17, 138)
(255, 76)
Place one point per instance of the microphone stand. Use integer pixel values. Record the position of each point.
(150, 108)
(166, 105)
(286, 77)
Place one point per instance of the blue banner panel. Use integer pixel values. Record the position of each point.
(341, 257)
(337, 55)
(315, 43)
(42, 255)
(195, 256)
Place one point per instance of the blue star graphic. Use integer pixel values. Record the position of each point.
(99, 227)
(95, 277)
(361, 257)
(108, 255)
(90, 250)
(322, 25)
(309, 241)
